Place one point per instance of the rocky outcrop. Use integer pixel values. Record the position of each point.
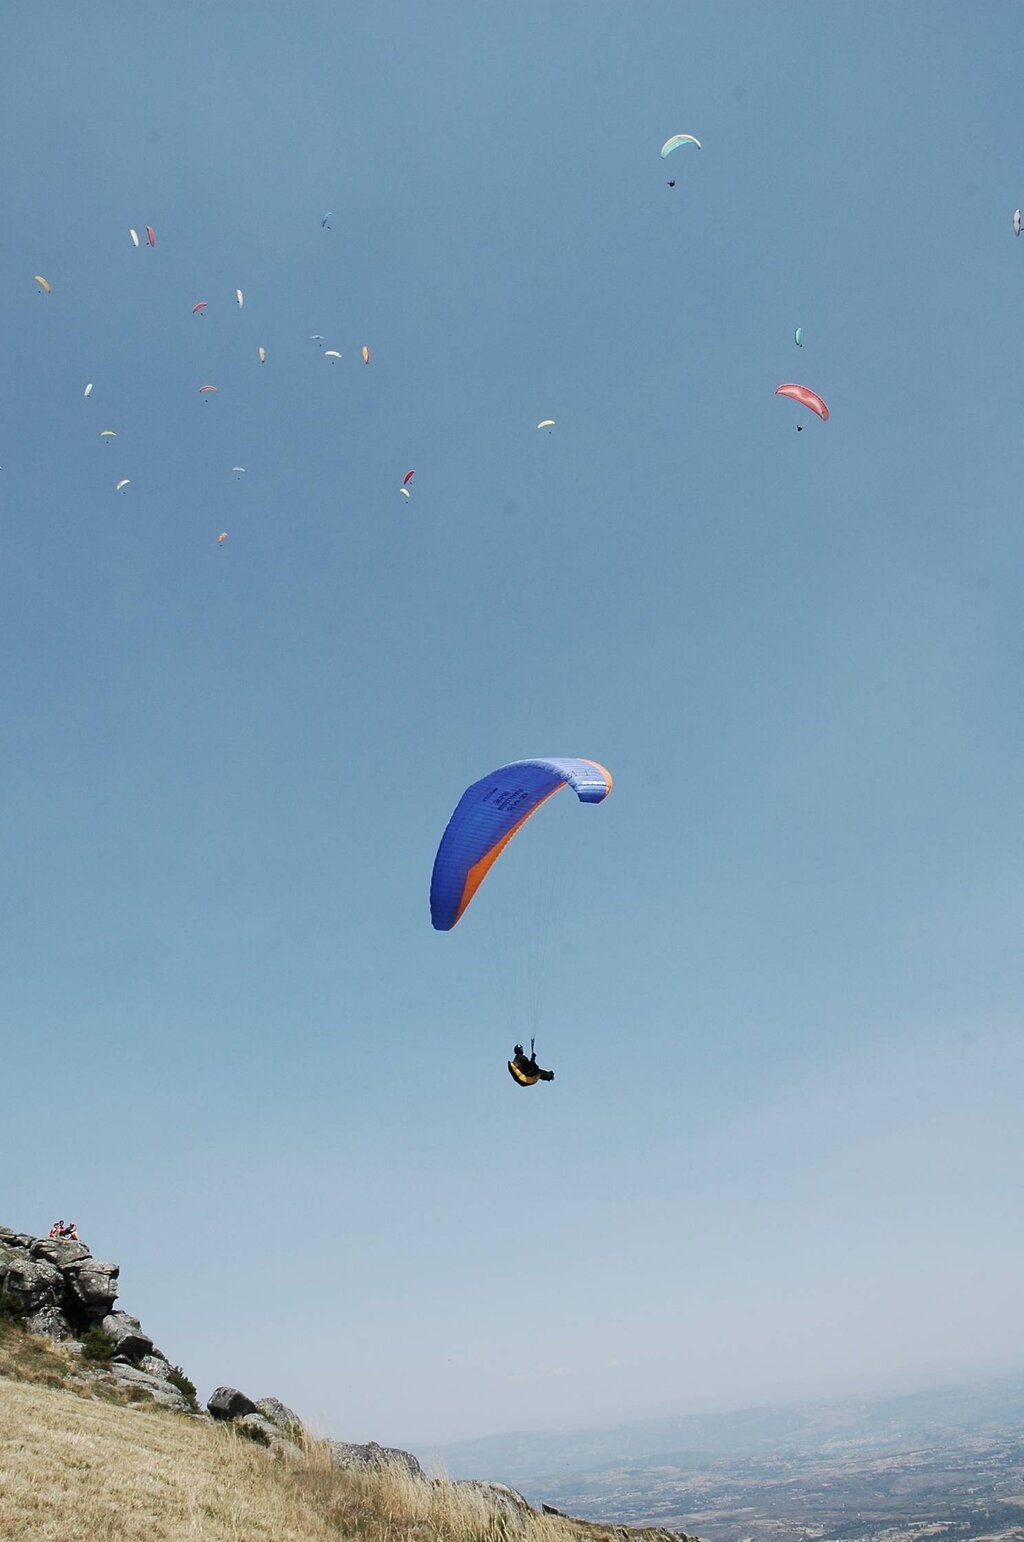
(62, 1288)
(66, 1294)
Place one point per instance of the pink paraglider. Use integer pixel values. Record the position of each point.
(806, 398)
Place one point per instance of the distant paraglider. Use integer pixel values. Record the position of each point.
(809, 399)
(41, 281)
(331, 353)
(150, 235)
(134, 234)
(676, 141)
(405, 492)
(206, 390)
(237, 469)
(108, 433)
(88, 389)
(200, 305)
(798, 337)
(1016, 222)
(408, 478)
(323, 223)
(547, 423)
(124, 482)
(366, 355)
(240, 297)
(262, 354)
(222, 538)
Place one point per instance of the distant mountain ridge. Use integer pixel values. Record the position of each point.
(524, 1459)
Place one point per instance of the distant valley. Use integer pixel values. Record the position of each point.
(941, 1464)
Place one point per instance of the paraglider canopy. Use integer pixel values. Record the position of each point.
(805, 397)
(323, 222)
(676, 141)
(489, 814)
(200, 305)
(408, 478)
(546, 423)
(41, 281)
(150, 235)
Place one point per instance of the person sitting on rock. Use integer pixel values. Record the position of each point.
(71, 1232)
(525, 1070)
(56, 1230)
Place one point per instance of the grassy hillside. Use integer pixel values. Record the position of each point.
(79, 1461)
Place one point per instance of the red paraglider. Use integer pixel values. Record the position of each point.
(150, 235)
(806, 398)
(200, 306)
(407, 478)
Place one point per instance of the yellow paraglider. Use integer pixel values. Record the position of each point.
(108, 433)
(40, 280)
(366, 355)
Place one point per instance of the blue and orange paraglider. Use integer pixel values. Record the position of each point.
(487, 816)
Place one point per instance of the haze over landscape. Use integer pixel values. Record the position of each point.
(780, 975)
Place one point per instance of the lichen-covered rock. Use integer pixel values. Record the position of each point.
(161, 1391)
(278, 1413)
(94, 1283)
(34, 1281)
(507, 1503)
(229, 1403)
(258, 1428)
(125, 1333)
(348, 1455)
(60, 1253)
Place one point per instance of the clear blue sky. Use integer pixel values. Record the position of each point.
(784, 999)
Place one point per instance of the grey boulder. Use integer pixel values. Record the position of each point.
(125, 1333)
(229, 1403)
(350, 1456)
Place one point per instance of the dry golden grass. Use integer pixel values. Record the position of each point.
(75, 1469)
(79, 1462)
